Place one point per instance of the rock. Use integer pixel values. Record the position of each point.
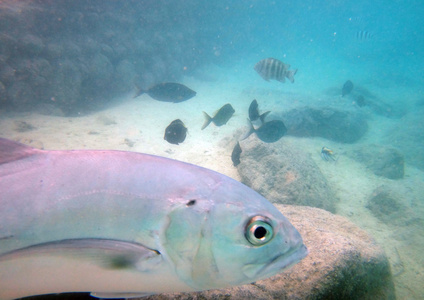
(3, 93)
(71, 50)
(7, 45)
(124, 76)
(49, 109)
(20, 96)
(107, 51)
(386, 205)
(284, 174)
(66, 85)
(407, 135)
(54, 50)
(30, 45)
(7, 74)
(381, 160)
(22, 126)
(344, 262)
(100, 73)
(345, 126)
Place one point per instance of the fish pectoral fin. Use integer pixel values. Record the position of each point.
(107, 253)
(119, 295)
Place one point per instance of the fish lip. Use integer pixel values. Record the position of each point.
(283, 261)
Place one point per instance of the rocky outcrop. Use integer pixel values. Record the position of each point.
(283, 173)
(79, 55)
(344, 262)
(344, 126)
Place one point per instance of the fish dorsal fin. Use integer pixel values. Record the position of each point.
(11, 151)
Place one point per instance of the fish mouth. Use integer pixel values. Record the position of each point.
(284, 261)
(277, 264)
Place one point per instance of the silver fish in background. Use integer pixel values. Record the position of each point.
(123, 224)
(168, 92)
(271, 68)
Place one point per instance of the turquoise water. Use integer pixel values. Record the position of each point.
(78, 58)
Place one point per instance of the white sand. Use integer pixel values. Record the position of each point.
(143, 121)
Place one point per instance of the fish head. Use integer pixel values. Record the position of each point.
(232, 237)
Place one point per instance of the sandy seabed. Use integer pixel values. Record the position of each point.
(139, 124)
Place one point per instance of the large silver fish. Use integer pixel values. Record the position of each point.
(122, 224)
(271, 68)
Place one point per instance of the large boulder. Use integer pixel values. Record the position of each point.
(344, 262)
(283, 173)
(345, 126)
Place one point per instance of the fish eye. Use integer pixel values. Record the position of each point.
(259, 231)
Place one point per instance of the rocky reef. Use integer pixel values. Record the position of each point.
(283, 173)
(77, 55)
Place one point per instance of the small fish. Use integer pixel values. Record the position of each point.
(271, 68)
(254, 112)
(363, 35)
(269, 132)
(347, 88)
(221, 117)
(168, 92)
(160, 220)
(235, 155)
(176, 132)
(328, 154)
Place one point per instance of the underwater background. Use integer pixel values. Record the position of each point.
(69, 71)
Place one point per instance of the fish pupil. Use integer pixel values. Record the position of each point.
(260, 232)
(191, 202)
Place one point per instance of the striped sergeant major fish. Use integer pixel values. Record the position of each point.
(271, 68)
(363, 35)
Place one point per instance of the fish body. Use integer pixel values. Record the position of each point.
(123, 224)
(168, 92)
(269, 132)
(364, 35)
(176, 132)
(347, 88)
(235, 155)
(271, 68)
(254, 112)
(221, 117)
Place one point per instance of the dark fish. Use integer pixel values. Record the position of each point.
(347, 88)
(176, 132)
(254, 112)
(269, 132)
(221, 117)
(235, 156)
(271, 68)
(168, 92)
(363, 35)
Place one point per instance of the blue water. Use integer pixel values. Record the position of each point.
(77, 57)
